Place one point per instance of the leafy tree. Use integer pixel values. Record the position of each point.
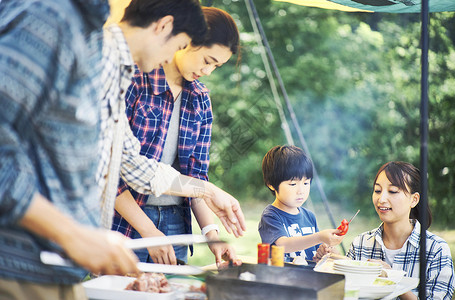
(354, 82)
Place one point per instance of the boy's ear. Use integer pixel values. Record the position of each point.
(271, 187)
(164, 25)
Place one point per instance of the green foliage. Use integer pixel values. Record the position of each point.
(442, 119)
(354, 83)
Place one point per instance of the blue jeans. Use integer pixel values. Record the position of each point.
(170, 221)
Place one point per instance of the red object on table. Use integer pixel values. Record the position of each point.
(263, 253)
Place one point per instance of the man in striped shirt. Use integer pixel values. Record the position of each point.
(50, 55)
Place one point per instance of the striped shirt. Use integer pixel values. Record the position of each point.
(149, 106)
(50, 62)
(119, 148)
(440, 273)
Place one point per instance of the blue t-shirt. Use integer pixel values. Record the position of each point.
(276, 223)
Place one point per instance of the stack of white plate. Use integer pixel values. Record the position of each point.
(357, 267)
(358, 273)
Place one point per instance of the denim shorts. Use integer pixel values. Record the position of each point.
(170, 221)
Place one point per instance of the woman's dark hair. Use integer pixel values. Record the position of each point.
(407, 178)
(222, 30)
(188, 16)
(283, 163)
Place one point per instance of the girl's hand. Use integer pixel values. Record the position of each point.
(383, 263)
(323, 250)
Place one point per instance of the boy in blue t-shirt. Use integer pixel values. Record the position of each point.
(288, 172)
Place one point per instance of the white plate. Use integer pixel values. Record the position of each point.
(360, 271)
(378, 286)
(376, 292)
(364, 293)
(394, 275)
(406, 284)
(357, 264)
(359, 279)
(110, 287)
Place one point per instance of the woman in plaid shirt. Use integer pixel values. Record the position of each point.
(395, 243)
(170, 112)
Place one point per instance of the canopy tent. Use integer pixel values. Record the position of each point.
(390, 6)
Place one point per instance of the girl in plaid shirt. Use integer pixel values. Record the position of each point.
(170, 112)
(395, 243)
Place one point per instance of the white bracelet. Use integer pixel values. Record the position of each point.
(210, 227)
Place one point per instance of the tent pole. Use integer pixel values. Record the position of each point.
(268, 70)
(424, 146)
(252, 7)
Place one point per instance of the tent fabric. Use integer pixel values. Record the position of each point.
(390, 6)
(324, 4)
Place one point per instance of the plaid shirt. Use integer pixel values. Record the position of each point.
(149, 105)
(440, 273)
(119, 148)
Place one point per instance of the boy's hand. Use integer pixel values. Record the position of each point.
(330, 237)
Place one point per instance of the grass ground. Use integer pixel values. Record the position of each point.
(247, 245)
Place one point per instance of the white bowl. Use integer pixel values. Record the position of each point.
(359, 279)
(380, 288)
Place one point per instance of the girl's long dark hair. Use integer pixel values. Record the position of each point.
(407, 178)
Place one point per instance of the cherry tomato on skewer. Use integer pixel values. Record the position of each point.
(343, 227)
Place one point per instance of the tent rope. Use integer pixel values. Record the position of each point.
(276, 97)
(257, 27)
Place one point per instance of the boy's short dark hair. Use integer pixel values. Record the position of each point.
(283, 163)
(188, 16)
